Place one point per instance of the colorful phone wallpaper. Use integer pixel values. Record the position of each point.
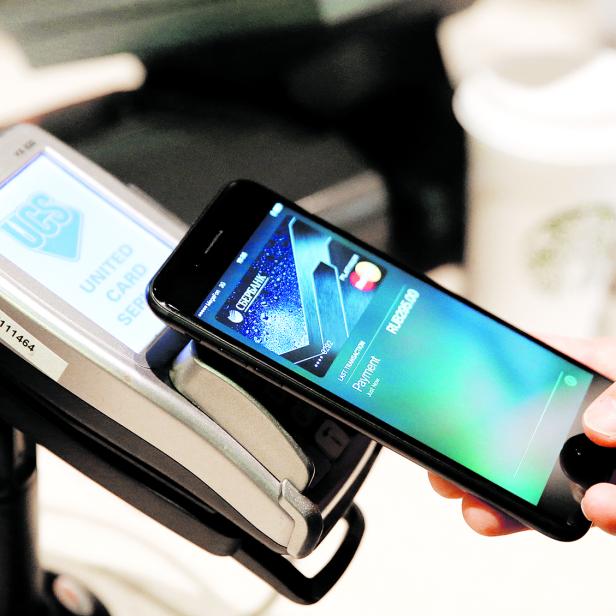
(401, 350)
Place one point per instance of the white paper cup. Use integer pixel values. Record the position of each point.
(541, 239)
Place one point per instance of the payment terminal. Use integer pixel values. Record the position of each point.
(92, 374)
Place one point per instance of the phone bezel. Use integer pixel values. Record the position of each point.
(201, 259)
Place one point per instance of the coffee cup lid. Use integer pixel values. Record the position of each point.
(552, 109)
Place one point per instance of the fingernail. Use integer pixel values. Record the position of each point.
(600, 417)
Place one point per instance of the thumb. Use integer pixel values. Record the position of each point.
(600, 419)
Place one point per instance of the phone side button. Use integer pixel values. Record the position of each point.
(264, 375)
(575, 518)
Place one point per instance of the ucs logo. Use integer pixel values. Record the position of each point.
(45, 226)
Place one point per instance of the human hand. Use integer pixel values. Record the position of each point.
(599, 502)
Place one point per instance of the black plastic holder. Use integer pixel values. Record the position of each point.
(25, 588)
(35, 410)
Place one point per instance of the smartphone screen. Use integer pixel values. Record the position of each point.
(405, 352)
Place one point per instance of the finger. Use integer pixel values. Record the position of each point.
(599, 506)
(486, 520)
(445, 488)
(599, 419)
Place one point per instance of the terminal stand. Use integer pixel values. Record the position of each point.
(27, 419)
(25, 588)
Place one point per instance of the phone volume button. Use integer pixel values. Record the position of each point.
(575, 518)
(265, 375)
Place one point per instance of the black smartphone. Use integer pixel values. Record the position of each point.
(393, 354)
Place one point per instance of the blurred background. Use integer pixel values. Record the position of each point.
(474, 140)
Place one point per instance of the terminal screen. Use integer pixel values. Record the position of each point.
(81, 246)
(400, 349)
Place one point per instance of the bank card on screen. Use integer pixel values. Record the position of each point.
(302, 295)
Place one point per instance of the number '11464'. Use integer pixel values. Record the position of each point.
(7, 330)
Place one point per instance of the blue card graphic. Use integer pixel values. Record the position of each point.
(302, 295)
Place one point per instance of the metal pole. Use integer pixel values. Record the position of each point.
(25, 588)
(21, 577)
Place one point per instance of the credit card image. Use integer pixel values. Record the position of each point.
(302, 295)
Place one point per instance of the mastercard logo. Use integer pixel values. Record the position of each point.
(365, 276)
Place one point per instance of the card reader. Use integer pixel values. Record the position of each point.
(77, 249)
